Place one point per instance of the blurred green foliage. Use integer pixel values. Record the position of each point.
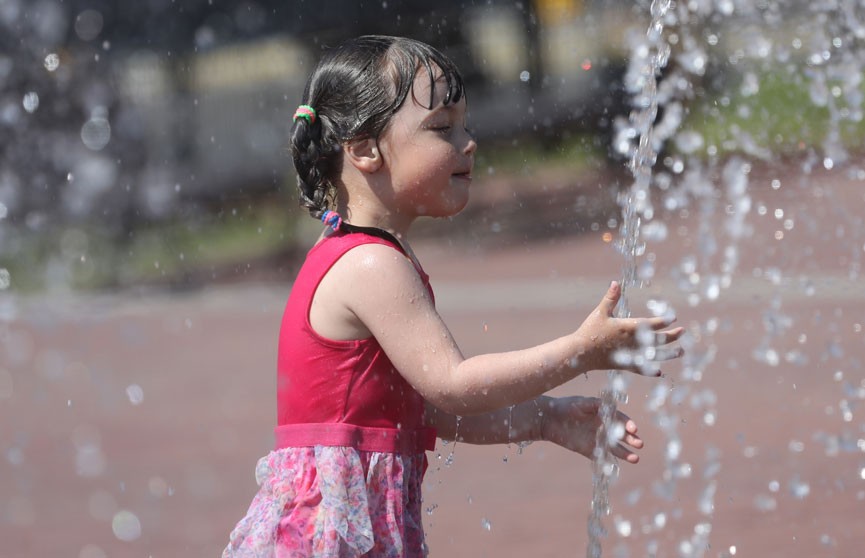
(170, 253)
(780, 119)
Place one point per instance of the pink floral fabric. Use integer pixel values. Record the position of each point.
(333, 502)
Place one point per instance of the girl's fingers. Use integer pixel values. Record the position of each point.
(665, 337)
(630, 436)
(660, 322)
(624, 453)
(667, 353)
(625, 420)
(633, 441)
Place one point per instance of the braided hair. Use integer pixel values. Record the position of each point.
(355, 89)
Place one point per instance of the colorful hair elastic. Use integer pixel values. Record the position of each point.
(332, 219)
(304, 111)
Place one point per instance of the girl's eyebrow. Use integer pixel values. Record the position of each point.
(450, 109)
(439, 108)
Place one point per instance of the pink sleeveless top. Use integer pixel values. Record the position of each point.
(341, 393)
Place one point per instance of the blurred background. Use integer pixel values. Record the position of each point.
(149, 233)
(136, 130)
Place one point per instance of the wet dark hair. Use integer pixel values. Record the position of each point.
(355, 90)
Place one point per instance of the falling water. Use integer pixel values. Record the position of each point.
(636, 204)
(813, 46)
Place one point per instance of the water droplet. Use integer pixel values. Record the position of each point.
(623, 526)
(96, 132)
(88, 25)
(89, 460)
(158, 487)
(126, 526)
(674, 449)
(52, 62)
(135, 394)
(765, 503)
(713, 289)
(485, 523)
(796, 446)
(16, 457)
(31, 101)
(654, 231)
(799, 489)
(615, 433)
(688, 141)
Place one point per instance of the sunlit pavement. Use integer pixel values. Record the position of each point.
(131, 423)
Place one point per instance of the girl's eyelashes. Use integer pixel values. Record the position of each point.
(447, 128)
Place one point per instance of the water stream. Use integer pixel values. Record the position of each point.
(812, 48)
(636, 205)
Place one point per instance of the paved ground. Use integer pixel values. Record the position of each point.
(158, 405)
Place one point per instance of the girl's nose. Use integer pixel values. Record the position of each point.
(471, 145)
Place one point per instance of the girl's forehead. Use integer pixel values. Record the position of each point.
(429, 92)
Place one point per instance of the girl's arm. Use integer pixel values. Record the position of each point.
(514, 424)
(570, 422)
(383, 295)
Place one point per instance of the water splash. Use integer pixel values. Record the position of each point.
(812, 49)
(636, 204)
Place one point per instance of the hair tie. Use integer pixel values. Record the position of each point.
(332, 219)
(304, 111)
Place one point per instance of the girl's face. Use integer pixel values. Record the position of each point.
(429, 153)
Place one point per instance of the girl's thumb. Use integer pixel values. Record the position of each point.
(611, 298)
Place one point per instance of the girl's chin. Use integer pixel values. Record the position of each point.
(448, 207)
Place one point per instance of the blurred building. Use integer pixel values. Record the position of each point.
(166, 101)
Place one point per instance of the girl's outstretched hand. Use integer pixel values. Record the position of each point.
(573, 423)
(634, 344)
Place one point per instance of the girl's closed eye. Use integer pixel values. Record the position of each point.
(440, 127)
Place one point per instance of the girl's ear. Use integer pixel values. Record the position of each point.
(364, 155)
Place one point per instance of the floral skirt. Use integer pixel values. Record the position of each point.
(333, 502)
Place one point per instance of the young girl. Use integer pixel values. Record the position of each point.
(368, 374)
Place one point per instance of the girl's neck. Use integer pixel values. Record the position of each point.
(388, 222)
(395, 224)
